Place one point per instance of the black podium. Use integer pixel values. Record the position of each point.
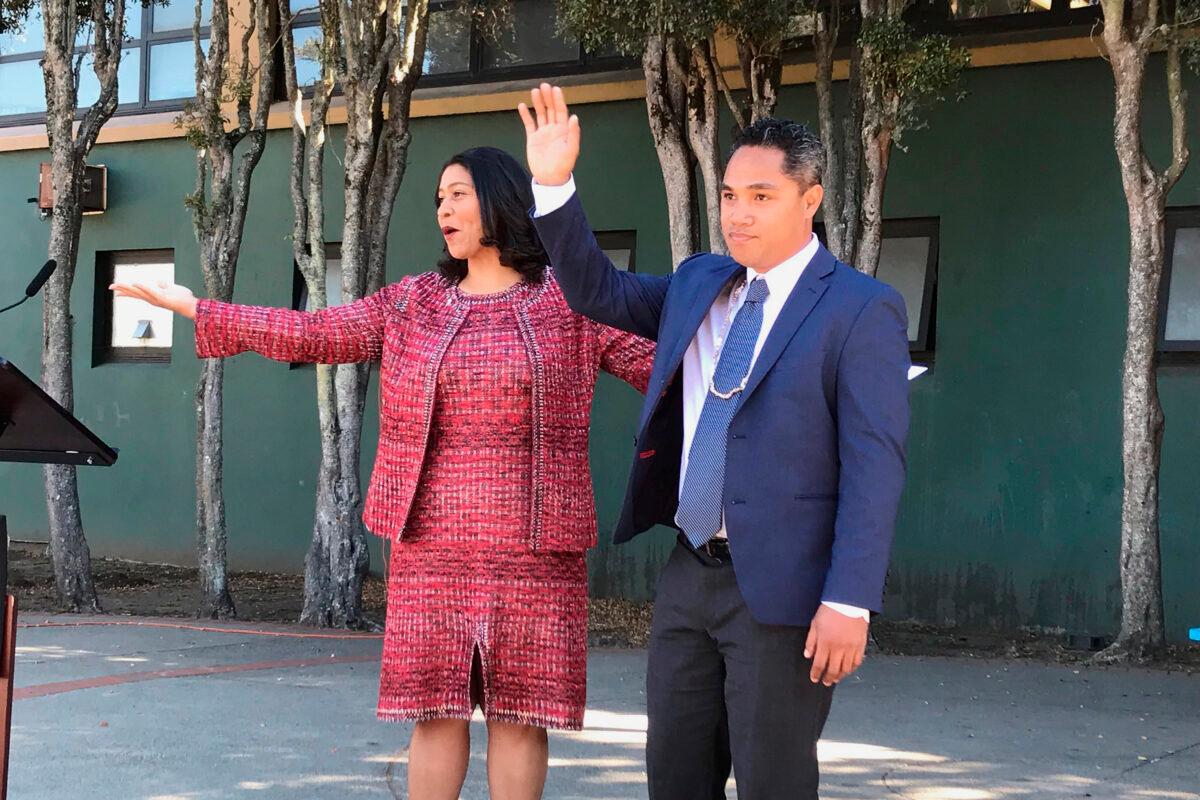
(34, 429)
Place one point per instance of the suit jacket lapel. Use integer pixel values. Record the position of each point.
(706, 294)
(800, 303)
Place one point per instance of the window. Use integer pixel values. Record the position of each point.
(976, 9)
(1179, 314)
(448, 43)
(979, 9)
(531, 38)
(157, 70)
(620, 247)
(971, 22)
(306, 42)
(528, 44)
(126, 329)
(908, 260)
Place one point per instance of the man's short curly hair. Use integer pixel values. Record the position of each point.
(804, 155)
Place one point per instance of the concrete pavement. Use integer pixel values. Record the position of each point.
(168, 710)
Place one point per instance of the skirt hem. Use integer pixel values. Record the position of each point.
(454, 712)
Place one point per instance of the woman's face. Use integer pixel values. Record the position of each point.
(458, 213)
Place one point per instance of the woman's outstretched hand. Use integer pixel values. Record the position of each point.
(170, 296)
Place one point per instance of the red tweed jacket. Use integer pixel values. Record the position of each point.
(408, 326)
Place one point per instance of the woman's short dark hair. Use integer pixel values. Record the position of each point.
(505, 198)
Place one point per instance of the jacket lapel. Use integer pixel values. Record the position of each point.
(706, 294)
(800, 303)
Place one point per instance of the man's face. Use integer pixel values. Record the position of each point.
(766, 215)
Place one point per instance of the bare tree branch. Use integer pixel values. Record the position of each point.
(110, 25)
(1177, 97)
(407, 65)
(299, 136)
(825, 33)
(740, 114)
(350, 44)
(1149, 23)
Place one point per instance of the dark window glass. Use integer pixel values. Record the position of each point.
(620, 247)
(532, 38)
(908, 262)
(1179, 316)
(448, 43)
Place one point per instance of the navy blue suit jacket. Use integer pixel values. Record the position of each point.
(815, 458)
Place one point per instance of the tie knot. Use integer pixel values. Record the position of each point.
(757, 291)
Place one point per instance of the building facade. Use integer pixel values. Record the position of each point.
(1006, 232)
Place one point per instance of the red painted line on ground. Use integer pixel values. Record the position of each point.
(202, 628)
(60, 687)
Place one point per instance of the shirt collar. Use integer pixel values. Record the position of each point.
(784, 277)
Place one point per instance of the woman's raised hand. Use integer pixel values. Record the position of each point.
(551, 136)
(163, 294)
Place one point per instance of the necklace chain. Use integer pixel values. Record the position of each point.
(720, 346)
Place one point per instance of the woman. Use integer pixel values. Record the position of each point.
(481, 476)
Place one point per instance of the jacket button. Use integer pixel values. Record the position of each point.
(738, 436)
(737, 502)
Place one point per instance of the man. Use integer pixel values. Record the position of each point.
(772, 437)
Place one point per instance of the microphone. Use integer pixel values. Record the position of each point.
(40, 279)
(36, 284)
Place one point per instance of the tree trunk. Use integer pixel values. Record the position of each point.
(338, 559)
(762, 70)
(1142, 632)
(307, 187)
(392, 159)
(833, 203)
(877, 149)
(879, 108)
(210, 208)
(383, 61)
(216, 600)
(69, 147)
(843, 135)
(703, 124)
(666, 107)
(69, 550)
(219, 206)
(852, 160)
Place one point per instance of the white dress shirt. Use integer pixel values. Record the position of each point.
(699, 361)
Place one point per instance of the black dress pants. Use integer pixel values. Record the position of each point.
(724, 691)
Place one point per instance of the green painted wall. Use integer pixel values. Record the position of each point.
(1012, 512)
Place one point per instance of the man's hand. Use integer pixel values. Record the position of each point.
(551, 136)
(836, 644)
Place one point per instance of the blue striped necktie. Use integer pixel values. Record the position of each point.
(699, 514)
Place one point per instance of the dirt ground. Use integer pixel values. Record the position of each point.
(134, 588)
